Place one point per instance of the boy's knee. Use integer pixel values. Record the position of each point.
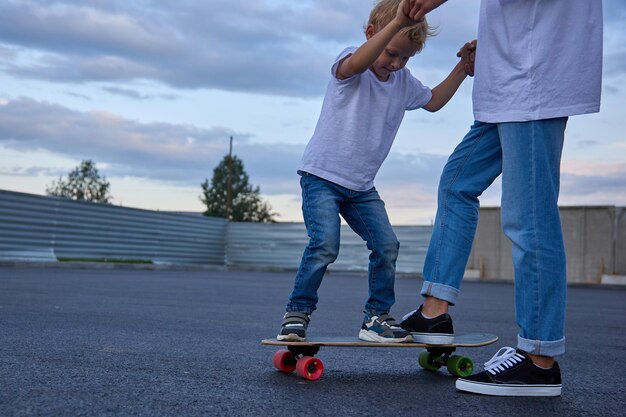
(390, 249)
(327, 249)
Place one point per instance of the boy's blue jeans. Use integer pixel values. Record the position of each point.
(528, 156)
(322, 203)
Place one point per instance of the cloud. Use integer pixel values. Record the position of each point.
(272, 47)
(77, 69)
(610, 89)
(78, 95)
(593, 183)
(154, 150)
(266, 47)
(78, 29)
(401, 169)
(588, 143)
(593, 189)
(231, 45)
(7, 53)
(184, 155)
(136, 95)
(614, 35)
(160, 151)
(32, 171)
(175, 153)
(584, 168)
(615, 64)
(614, 13)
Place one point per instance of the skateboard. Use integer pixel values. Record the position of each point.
(300, 356)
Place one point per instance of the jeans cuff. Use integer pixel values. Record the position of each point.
(440, 291)
(297, 309)
(538, 347)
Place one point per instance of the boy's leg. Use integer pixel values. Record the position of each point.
(530, 218)
(365, 213)
(321, 200)
(473, 166)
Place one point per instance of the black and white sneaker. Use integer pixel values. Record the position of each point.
(383, 328)
(435, 331)
(293, 328)
(512, 373)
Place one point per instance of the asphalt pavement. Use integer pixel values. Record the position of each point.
(121, 342)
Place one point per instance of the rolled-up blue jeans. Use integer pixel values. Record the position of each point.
(528, 155)
(364, 211)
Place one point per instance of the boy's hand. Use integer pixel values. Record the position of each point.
(467, 53)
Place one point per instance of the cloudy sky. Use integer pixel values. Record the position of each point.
(152, 90)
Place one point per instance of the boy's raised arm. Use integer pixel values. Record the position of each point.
(366, 54)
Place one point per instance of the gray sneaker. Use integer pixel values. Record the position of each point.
(383, 329)
(293, 328)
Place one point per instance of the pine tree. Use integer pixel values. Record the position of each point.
(246, 202)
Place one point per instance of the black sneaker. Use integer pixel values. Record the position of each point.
(383, 328)
(435, 331)
(294, 327)
(512, 373)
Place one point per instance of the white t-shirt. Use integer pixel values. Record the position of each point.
(537, 59)
(358, 123)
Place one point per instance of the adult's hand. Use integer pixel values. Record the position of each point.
(419, 8)
(467, 53)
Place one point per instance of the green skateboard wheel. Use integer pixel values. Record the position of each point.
(460, 366)
(429, 361)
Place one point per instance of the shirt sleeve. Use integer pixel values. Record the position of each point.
(349, 50)
(418, 95)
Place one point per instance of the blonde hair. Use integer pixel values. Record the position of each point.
(385, 11)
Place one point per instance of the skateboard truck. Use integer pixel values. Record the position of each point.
(434, 358)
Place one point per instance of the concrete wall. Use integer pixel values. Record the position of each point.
(595, 244)
(620, 241)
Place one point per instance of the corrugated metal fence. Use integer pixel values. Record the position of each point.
(46, 228)
(42, 228)
(280, 246)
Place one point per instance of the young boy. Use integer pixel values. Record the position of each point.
(365, 101)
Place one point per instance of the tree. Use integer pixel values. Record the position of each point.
(246, 203)
(83, 183)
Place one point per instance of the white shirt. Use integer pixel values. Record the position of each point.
(537, 59)
(358, 123)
